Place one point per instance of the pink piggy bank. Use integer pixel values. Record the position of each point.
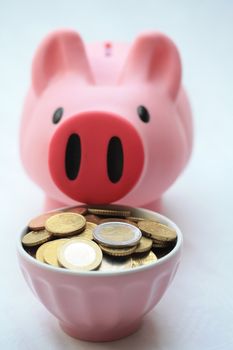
(105, 122)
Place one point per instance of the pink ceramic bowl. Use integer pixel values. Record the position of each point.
(102, 306)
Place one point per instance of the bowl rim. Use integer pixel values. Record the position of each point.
(162, 218)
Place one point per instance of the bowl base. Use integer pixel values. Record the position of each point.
(100, 336)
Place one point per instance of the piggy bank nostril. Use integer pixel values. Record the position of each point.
(73, 156)
(115, 159)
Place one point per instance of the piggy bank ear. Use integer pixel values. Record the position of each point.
(61, 52)
(153, 58)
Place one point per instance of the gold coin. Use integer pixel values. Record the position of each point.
(157, 231)
(88, 231)
(160, 244)
(134, 218)
(144, 245)
(145, 260)
(38, 223)
(65, 224)
(165, 245)
(109, 212)
(40, 251)
(118, 251)
(80, 254)
(115, 264)
(34, 238)
(90, 225)
(50, 251)
(117, 234)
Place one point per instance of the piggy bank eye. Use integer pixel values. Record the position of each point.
(143, 114)
(57, 115)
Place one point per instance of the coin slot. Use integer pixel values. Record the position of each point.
(115, 159)
(73, 156)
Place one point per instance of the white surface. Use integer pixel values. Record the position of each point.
(197, 310)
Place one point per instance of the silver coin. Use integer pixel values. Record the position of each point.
(117, 234)
(115, 264)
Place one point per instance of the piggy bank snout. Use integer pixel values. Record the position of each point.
(95, 157)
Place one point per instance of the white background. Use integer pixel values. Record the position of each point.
(197, 310)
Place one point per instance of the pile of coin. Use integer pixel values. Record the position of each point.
(86, 239)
